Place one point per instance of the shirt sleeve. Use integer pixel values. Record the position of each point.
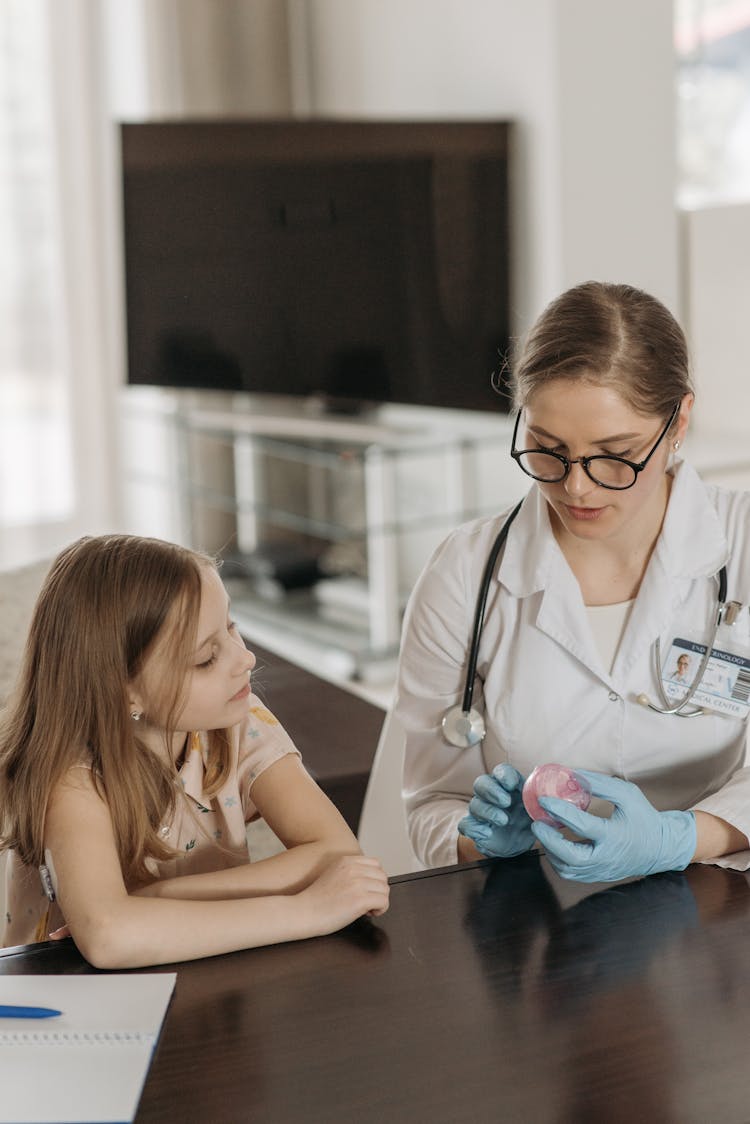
(29, 917)
(438, 777)
(731, 803)
(262, 742)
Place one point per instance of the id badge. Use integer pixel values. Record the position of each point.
(725, 684)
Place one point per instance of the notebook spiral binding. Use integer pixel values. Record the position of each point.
(75, 1038)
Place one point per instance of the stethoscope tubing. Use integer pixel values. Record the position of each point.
(484, 589)
(678, 708)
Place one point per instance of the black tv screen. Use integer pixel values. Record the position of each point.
(357, 261)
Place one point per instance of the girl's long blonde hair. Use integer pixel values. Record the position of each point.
(105, 603)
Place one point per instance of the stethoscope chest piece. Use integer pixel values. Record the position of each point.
(463, 728)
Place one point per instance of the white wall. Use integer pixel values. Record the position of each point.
(170, 58)
(616, 147)
(589, 84)
(717, 300)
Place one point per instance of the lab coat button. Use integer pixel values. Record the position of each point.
(613, 696)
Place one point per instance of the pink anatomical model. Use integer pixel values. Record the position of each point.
(554, 780)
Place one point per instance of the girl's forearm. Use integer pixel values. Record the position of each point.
(141, 932)
(285, 873)
(126, 931)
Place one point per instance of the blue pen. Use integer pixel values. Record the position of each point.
(27, 1012)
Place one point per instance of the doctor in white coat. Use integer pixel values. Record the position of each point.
(617, 544)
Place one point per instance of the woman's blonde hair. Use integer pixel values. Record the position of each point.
(610, 334)
(104, 605)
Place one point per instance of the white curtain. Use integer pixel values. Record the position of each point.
(36, 478)
(57, 351)
(69, 69)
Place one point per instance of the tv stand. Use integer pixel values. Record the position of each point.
(326, 407)
(257, 478)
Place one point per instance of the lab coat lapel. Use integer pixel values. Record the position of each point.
(562, 614)
(655, 608)
(691, 545)
(532, 564)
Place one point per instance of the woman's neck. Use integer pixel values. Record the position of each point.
(610, 570)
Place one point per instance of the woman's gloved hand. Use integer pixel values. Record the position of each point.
(636, 840)
(497, 823)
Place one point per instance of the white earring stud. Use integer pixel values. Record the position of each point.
(135, 716)
(676, 446)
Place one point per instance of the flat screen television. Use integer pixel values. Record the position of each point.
(355, 261)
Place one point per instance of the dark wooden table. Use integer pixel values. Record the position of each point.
(335, 731)
(483, 995)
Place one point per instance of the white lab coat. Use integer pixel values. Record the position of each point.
(541, 683)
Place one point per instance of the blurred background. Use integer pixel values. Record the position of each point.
(630, 161)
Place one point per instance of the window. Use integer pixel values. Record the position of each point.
(712, 39)
(36, 480)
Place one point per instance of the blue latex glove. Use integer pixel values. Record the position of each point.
(636, 840)
(497, 823)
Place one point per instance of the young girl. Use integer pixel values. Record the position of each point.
(133, 754)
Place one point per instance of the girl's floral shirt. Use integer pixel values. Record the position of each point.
(207, 832)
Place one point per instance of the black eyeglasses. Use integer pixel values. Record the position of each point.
(606, 471)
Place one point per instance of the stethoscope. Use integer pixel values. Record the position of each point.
(464, 726)
(678, 707)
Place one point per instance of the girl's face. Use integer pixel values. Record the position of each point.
(578, 419)
(217, 678)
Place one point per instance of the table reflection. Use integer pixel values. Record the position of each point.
(618, 981)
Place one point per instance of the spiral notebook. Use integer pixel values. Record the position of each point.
(89, 1063)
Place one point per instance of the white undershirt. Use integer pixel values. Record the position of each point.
(607, 625)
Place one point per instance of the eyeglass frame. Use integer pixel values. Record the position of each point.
(636, 466)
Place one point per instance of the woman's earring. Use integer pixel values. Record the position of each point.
(135, 715)
(676, 446)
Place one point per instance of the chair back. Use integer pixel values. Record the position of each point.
(382, 826)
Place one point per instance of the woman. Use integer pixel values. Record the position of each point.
(617, 544)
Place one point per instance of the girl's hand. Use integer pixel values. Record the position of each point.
(350, 887)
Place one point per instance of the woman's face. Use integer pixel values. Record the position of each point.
(577, 419)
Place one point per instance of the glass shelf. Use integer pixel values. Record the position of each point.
(370, 497)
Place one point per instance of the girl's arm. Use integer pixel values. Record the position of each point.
(303, 818)
(115, 929)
